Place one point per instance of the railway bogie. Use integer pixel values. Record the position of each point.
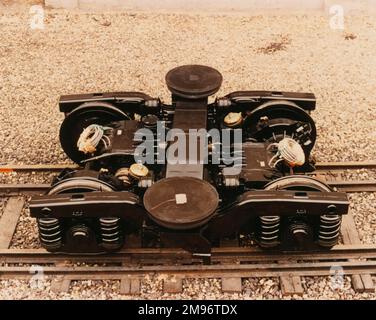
(188, 174)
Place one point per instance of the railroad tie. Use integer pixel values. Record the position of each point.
(231, 285)
(9, 220)
(130, 286)
(173, 285)
(364, 282)
(290, 285)
(60, 284)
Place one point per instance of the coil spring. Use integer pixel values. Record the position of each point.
(111, 233)
(269, 231)
(329, 230)
(50, 232)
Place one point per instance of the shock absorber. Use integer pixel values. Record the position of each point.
(330, 226)
(50, 233)
(111, 233)
(269, 231)
(298, 234)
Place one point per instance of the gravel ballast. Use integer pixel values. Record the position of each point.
(151, 288)
(79, 52)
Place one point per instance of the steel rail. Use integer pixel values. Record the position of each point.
(350, 165)
(36, 167)
(321, 166)
(27, 188)
(345, 186)
(199, 270)
(354, 186)
(254, 254)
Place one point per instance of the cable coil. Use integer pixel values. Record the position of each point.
(91, 137)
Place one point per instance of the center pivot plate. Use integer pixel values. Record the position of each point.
(181, 202)
(193, 81)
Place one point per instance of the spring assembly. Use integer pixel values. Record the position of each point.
(50, 232)
(269, 231)
(110, 232)
(329, 230)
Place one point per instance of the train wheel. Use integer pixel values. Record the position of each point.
(100, 113)
(77, 185)
(76, 234)
(298, 231)
(275, 120)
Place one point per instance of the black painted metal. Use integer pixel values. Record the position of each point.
(187, 205)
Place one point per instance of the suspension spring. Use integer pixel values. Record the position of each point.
(269, 231)
(330, 226)
(111, 232)
(50, 233)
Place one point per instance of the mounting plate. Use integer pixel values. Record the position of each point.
(193, 81)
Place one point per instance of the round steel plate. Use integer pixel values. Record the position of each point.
(181, 202)
(193, 81)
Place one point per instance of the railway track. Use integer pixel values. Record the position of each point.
(229, 263)
(328, 170)
(200, 271)
(221, 254)
(345, 186)
(321, 166)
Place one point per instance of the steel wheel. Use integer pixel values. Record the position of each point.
(88, 113)
(297, 230)
(281, 116)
